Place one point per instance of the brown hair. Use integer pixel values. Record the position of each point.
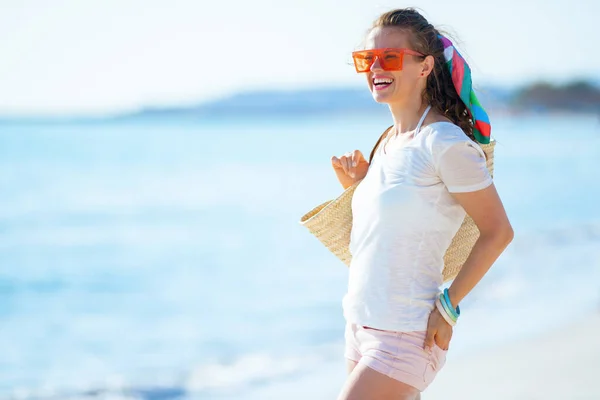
(440, 91)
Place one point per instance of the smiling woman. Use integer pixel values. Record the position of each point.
(424, 175)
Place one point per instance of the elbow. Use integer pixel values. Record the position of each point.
(509, 234)
(505, 235)
(502, 235)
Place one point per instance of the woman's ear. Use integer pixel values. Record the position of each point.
(427, 66)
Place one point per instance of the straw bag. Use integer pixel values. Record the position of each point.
(331, 223)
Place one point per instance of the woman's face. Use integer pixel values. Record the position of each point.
(405, 83)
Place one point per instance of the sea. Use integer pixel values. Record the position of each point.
(163, 259)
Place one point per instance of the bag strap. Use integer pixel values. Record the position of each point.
(388, 129)
(383, 135)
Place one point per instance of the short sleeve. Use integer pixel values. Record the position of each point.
(461, 163)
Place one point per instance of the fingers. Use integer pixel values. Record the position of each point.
(349, 162)
(340, 163)
(429, 339)
(346, 163)
(349, 165)
(439, 338)
(443, 341)
(357, 157)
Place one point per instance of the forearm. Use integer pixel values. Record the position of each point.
(485, 252)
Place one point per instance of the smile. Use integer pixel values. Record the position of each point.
(382, 83)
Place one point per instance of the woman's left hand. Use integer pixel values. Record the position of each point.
(438, 331)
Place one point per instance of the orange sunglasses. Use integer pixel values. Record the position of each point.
(390, 59)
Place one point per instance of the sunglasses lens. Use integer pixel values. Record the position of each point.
(391, 60)
(363, 61)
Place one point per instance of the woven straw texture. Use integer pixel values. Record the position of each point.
(331, 223)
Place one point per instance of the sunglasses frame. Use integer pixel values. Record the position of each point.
(378, 53)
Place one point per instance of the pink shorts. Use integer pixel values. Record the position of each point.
(399, 355)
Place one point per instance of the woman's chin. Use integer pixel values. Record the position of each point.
(383, 93)
(382, 98)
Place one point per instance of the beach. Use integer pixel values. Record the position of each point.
(562, 364)
(153, 261)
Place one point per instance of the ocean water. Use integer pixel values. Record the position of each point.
(162, 260)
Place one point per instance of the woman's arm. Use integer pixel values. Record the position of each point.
(487, 211)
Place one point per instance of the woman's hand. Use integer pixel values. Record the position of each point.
(350, 168)
(438, 331)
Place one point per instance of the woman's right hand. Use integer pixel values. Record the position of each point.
(350, 168)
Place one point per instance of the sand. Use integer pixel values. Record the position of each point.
(563, 364)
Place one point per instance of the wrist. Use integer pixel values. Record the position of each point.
(454, 299)
(443, 312)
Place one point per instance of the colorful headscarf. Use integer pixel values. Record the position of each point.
(461, 77)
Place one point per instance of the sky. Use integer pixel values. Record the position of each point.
(101, 56)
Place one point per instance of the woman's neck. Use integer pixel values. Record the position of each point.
(406, 116)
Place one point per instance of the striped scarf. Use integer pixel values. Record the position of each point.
(461, 77)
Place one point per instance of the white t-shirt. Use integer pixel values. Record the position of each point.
(404, 219)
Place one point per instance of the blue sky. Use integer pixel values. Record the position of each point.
(74, 56)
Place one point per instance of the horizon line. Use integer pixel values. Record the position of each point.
(125, 111)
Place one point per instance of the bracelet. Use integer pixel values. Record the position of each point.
(442, 311)
(456, 311)
(447, 309)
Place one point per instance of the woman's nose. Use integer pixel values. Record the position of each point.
(376, 64)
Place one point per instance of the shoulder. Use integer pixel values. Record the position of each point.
(441, 134)
(440, 137)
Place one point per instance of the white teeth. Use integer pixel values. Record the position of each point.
(377, 81)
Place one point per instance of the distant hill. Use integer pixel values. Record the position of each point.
(537, 97)
(574, 97)
(274, 102)
(297, 102)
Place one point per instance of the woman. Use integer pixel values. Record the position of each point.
(425, 172)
